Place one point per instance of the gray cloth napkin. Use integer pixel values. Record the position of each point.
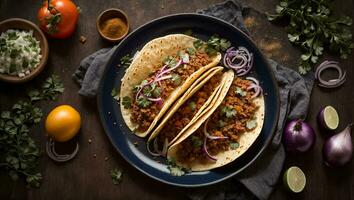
(258, 180)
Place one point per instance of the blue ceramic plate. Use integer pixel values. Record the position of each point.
(133, 148)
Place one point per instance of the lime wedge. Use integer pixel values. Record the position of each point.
(330, 117)
(294, 179)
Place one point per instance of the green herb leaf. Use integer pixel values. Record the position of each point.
(170, 61)
(176, 79)
(127, 102)
(191, 50)
(251, 124)
(116, 175)
(198, 44)
(229, 112)
(197, 142)
(143, 102)
(115, 93)
(240, 92)
(221, 124)
(192, 105)
(125, 61)
(175, 170)
(234, 145)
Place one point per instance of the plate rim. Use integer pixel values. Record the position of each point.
(237, 172)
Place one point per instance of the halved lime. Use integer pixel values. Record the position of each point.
(330, 118)
(294, 179)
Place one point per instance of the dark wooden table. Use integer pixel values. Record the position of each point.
(88, 176)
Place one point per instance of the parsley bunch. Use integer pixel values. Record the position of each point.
(18, 152)
(311, 27)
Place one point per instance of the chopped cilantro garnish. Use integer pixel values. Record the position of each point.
(116, 175)
(198, 44)
(156, 92)
(192, 105)
(115, 93)
(143, 102)
(234, 145)
(176, 79)
(251, 124)
(127, 102)
(197, 142)
(176, 170)
(191, 50)
(221, 123)
(240, 92)
(229, 112)
(215, 44)
(170, 61)
(126, 60)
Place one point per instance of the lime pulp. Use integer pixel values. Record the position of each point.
(294, 179)
(330, 117)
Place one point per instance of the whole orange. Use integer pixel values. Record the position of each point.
(63, 123)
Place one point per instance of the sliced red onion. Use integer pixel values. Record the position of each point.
(155, 149)
(185, 58)
(206, 134)
(241, 60)
(253, 79)
(333, 83)
(170, 69)
(255, 86)
(162, 78)
(206, 150)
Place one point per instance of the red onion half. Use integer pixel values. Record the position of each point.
(298, 136)
(338, 149)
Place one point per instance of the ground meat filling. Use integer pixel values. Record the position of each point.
(229, 120)
(188, 110)
(144, 115)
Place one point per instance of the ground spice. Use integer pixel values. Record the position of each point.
(114, 28)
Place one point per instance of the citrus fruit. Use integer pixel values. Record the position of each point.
(294, 179)
(63, 123)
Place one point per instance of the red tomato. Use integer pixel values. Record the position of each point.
(59, 19)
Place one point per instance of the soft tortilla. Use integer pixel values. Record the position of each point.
(223, 158)
(188, 94)
(146, 62)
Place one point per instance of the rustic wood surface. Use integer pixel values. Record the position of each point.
(88, 177)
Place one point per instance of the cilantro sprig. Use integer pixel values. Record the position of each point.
(228, 112)
(18, 151)
(312, 28)
(116, 175)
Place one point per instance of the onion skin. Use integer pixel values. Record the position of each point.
(298, 136)
(338, 149)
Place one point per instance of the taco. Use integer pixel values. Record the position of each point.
(186, 110)
(158, 75)
(223, 132)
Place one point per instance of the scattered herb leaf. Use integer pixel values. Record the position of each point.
(176, 79)
(143, 102)
(116, 175)
(198, 44)
(234, 145)
(188, 32)
(125, 61)
(229, 112)
(251, 124)
(240, 92)
(127, 102)
(176, 170)
(192, 105)
(197, 142)
(170, 61)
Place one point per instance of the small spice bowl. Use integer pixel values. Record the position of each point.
(22, 24)
(113, 24)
